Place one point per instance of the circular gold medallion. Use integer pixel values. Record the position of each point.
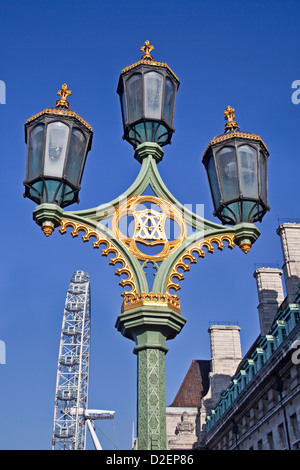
(151, 224)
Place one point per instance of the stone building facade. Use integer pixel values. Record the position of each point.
(250, 403)
(186, 416)
(201, 388)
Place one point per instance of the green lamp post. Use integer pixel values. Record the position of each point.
(150, 314)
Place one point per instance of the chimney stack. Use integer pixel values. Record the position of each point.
(225, 357)
(290, 242)
(270, 296)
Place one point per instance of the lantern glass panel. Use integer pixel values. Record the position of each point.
(123, 106)
(35, 157)
(247, 161)
(52, 191)
(263, 177)
(153, 95)
(68, 195)
(134, 97)
(231, 213)
(138, 133)
(36, 190)
(249, 210)
(151, 128)
(228, 173)
(214, 184)
(160, 133)
(169, 101)
(56, 146)
(76, 155)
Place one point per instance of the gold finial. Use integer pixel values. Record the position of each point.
(230, 116)
(47, 229)
(147, 48)
(63, 93)
(245, 247)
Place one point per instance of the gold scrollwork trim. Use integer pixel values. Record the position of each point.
(110, 248)
(197, 248)
(231, 135)
(150, 62)
(153, 300)
(62, 112)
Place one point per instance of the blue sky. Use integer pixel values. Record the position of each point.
(239, 53)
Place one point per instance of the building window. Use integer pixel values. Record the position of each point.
(243, 381)
(296, 317)
(270, 440)
(295, 430)
(260, 361)
(270, 348)
(260, 445)
(250, 372)
(281, 436)
(290, 323)
(282, 334)
(253, 416)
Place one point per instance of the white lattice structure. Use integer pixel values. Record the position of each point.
(71, 395)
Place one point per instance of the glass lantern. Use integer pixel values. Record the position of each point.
(147, 91)
(236, 166)
(58, 141)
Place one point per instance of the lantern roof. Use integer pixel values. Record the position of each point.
(147, 59)
(232, 130)
(61, 108)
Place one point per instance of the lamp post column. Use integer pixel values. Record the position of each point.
(150, 326)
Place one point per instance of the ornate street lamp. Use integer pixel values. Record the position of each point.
(150, 315)
(58, 141)
(147, 92)
(236, 166)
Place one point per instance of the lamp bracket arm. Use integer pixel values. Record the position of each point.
(243, 235)
(198, 243)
